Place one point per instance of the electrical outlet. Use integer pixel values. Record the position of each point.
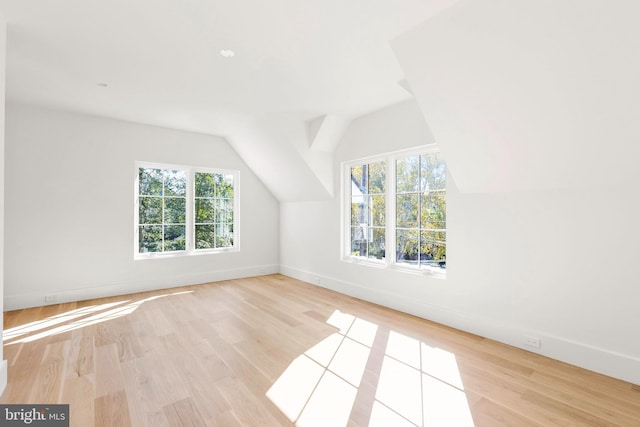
(51, 299)
(533, 341)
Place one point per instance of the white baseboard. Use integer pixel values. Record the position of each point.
(3, 375)
(36, 299)
(613, 364)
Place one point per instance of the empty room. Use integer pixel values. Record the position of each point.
(320, 213)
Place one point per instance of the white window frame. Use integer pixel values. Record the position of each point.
(190, 248)
(389, 262)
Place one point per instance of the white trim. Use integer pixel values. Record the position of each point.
(3, 375)
(190, 243)
(610, 363)
(186, 253)
(390, 212)
(36, 299)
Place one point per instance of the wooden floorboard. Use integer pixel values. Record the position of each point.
(274, 351)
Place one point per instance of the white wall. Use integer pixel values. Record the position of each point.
(69, 208)
(518, 263)
(530, 95)
(3, 56)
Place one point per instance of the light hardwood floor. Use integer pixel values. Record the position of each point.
(271, 351)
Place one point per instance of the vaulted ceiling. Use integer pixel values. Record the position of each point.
(520, 95)
(300, 71)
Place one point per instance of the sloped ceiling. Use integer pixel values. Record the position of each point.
(530, 95)
(159, 63)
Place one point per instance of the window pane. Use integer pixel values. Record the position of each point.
(205, 236)
(377, 211)
(377, 176)
(174, 238)
(150, 238)
(433, 212)
(175, 183)
(174, 210)
(150, 182)
(224, 186)
(357, 210)
(407, 174)
(407, 210)
(433, 248)
(368, 209)
(150, 210)
(359, 180)
(224, 235)
(224, 210)
(359, 241)
(205, 184)
(205, 209)
(407, 246)
(376, 243)
(433, 172)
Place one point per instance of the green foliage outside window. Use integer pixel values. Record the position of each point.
(421, 210)
(368, 209)
(162, 210)
(420, 214)
(213, 210)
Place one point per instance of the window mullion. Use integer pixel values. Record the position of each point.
(163, 224)
(189, 212)
(419, 219)
(390, 222)
(346, 209)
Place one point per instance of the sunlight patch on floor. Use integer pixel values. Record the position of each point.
(324, 351)
(400, 389)
(417, 385)
(75, 319)
(381, 416)
(49, 322)
(330, 404)
(349, 361)
(442, 365)
(292, 390)
(444, 405)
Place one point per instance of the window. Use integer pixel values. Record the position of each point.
(183, 210)
(214, 210)
(368, 210)
(397, 201)
(421, 210)
(162, 210)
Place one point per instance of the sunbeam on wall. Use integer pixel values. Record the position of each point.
(374, 374)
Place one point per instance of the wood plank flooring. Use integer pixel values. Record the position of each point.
(274, 351)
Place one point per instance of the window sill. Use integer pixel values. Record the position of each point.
(371, 262)
(437, 273)
(167, 255)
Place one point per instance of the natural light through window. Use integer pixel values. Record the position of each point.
(162, 210)
(183, 210)
(421, 210)
(395, 211)
(76, 319)
(417, 385)
(368, 210)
